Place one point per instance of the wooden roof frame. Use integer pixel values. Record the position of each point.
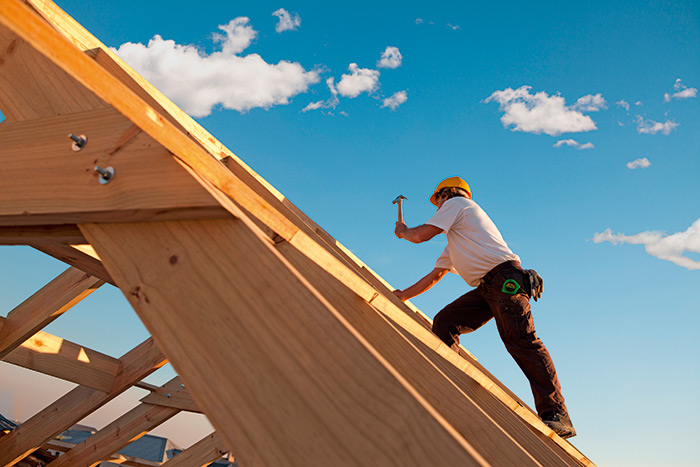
(215, 262)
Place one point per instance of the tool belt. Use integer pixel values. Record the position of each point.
(534, 284)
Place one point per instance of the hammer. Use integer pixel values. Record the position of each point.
(399, 200)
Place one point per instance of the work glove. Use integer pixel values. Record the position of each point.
(536, 284)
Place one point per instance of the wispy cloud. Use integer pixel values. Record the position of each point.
(642, 163)
(622, 103)
(454, 27)
(540, 113)
(650, 127)
(395, 100)
(198, 82)
(419, 21)
(391, 58)
(359, 80)
(661, 245)
(286, 21)
(590, 103)
(681, 92)
(330, 103)
(573, 143)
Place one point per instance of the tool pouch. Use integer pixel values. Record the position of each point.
(536, 284)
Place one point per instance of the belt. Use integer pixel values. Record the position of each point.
(492, 273)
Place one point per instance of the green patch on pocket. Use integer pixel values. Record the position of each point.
(510, 287)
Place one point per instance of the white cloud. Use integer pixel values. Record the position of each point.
(286, 21)
(660, 245)
(540, 113)
(639, 103)
(650, 127)
(395, 100)
(332, 101)
(573, 143)
(454, 27)
(358, 81)
(238, 35)
(198, 82)
(391, 58)
(623, 104)
(590, 103)
(682, 92)
(642, 163)
(419, 21)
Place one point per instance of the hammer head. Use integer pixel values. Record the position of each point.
(398, 198)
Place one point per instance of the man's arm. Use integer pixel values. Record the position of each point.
(422, 285)
(419, 234)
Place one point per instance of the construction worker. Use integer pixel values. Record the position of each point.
(477, 252)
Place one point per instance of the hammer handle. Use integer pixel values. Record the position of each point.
(400, 203)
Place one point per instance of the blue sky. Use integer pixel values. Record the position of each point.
(543, 107)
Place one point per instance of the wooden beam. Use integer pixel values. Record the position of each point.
(65, 188)
(33, 234)
(200, 454)
(82, 258)
(51, 355)
(77, 404)
(173, 395)
(113, 437)
(50, 302)
(120, 459)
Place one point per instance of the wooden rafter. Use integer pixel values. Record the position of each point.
(113, 437)
(50, 302)
(51, 355)
(174, 395)
(76, 256)
(77, 404)
(200, 454)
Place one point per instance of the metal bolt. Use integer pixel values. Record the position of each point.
(79, 142)
(182, 386)
(167, 395)
(106, 175)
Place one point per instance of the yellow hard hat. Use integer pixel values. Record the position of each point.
(455, 182)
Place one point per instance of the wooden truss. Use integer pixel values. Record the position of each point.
(214, 260)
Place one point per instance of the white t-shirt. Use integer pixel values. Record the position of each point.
(474, 244)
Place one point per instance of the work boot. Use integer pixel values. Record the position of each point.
(560, 423)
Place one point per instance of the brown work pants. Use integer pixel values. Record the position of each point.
(515, 326)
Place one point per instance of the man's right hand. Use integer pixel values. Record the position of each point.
(400, 229)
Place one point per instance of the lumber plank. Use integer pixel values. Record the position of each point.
(173, 395)
(44, 306)
(364, 411)
(202, 453)
(68, 410)
(46, 182)
(54, 356)
(113, 437)
(62, 446)
(76, 256)
(33, 234)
